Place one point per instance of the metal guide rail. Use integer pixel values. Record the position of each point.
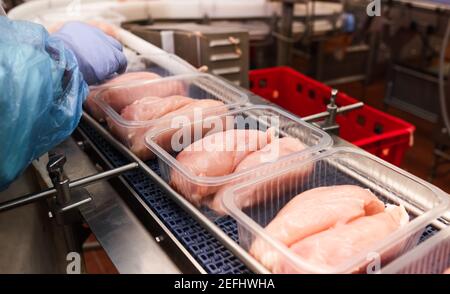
(213, 244)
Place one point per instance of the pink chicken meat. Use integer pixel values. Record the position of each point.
(153, 107)
(135, 86)
(137, 139)
(145, 109)
(340, 244)
(92, 106)
(270, 153)
(312, 212)
(216, 155)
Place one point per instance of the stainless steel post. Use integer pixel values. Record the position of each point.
(284, 47)
(55, 168)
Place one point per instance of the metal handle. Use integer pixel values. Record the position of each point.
(26, 199)
(339, 110)
(56, 163)
(55, 168)
(329, 123)
(332, 109)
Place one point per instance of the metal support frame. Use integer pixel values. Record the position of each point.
(287, 18)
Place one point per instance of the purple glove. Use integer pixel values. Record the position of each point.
(99, 56)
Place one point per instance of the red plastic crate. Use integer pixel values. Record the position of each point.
(375, 131)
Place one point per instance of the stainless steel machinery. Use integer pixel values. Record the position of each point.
(224, 51)
(414, 34)
(417, 33)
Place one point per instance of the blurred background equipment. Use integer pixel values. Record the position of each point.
(224, 51)
(415, 35)
(417, 32)
(9, 4)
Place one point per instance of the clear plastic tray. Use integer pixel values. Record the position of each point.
(161, 65)
(339, 166)
(196, 86)
(430, 257)
(259, 117)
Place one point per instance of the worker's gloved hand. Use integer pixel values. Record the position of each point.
(99, 56)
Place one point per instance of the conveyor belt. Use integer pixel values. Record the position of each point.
(206, 249)
(429, 231)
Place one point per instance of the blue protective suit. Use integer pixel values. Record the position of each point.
(41, 95)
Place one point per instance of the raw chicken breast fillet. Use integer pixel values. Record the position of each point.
(269, 154)
(145, 109)
(338, 245)
(92, 106)
(153, 107)
(216, 155)
(120, 97)
(208, 107)
(134, 87)
(312, 212)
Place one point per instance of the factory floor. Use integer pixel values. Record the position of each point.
(418, 159)
(96, 260)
